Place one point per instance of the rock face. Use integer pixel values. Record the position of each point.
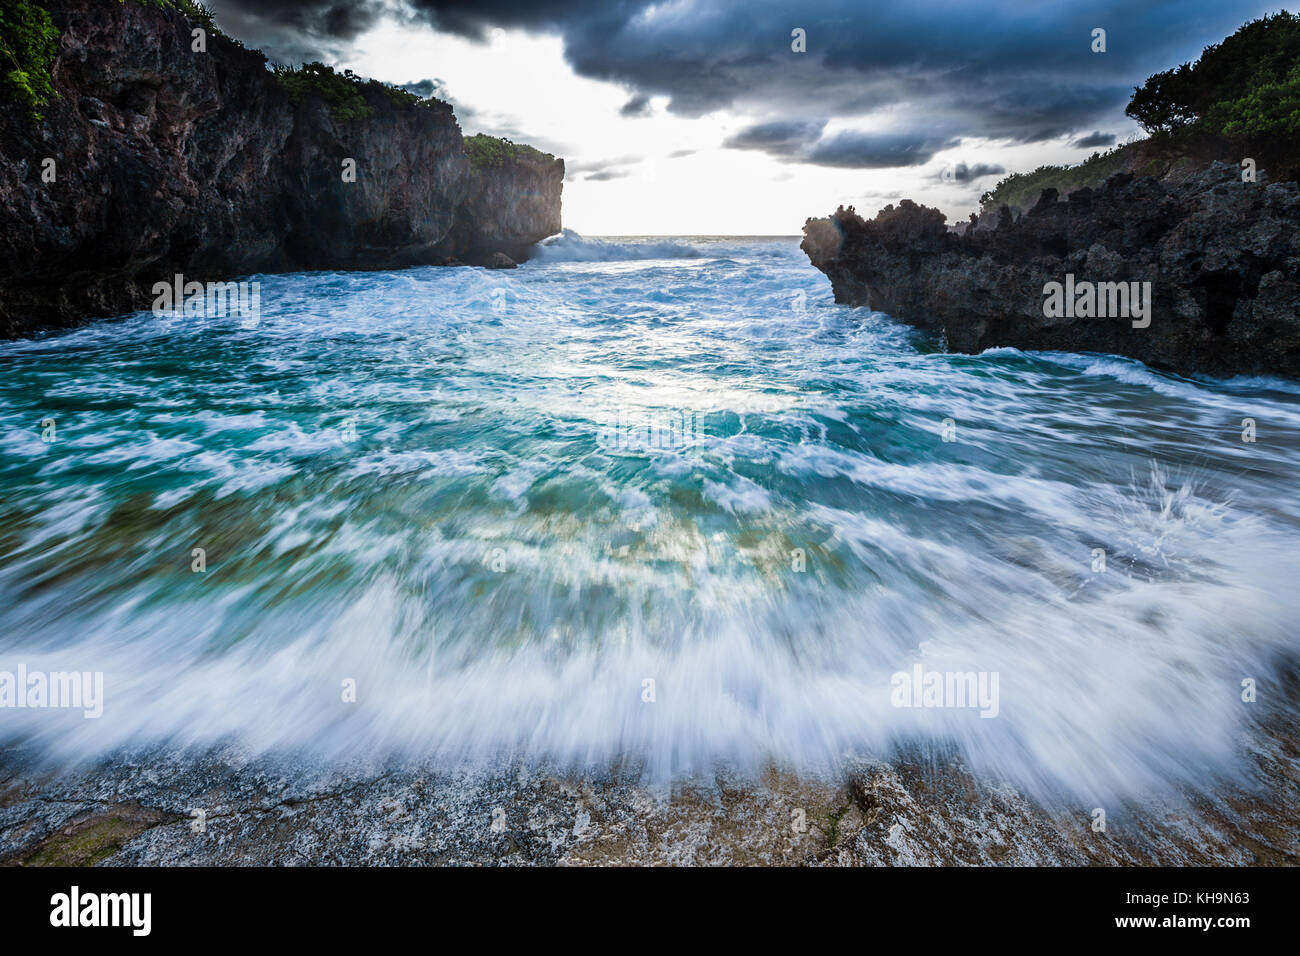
(499, 197)
(167, 160)
(1222, 257)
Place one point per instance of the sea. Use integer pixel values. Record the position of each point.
(647, 501)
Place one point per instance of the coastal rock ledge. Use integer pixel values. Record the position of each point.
(155, 158)
(1222, 257)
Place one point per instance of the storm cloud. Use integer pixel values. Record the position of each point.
(930, 72)
(875, 150)
(962, 173)
(295, 31)
(638, 105)
(1095, 139)
(424, 88)
(785, 138)
(601, 170)
(804, 142)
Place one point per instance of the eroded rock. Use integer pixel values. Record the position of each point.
(1222, 257)
(167, 160)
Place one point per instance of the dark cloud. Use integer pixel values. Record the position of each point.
(802, 141)
(601, 170)
(1095, 139)
(638, 105)
(425, 88)
(681, 153)
(875, 150)
(961, 173)
(474, 18)
(978, 69)
(782, 138)
(294, 31)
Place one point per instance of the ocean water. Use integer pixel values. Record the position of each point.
(651, 501)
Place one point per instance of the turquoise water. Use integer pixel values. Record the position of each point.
(501, 502)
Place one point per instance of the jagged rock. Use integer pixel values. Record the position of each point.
(499, 260)
(1223, 258)
(143, 809)
(172, 161)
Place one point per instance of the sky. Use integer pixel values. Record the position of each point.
(703, 117)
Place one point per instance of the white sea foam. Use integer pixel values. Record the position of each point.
(569, 246)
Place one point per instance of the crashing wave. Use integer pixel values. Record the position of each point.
(569, 246)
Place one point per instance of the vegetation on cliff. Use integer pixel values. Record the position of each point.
(29, 42)
(1247, 83)
(1241, 98)
(343, 92)
(489, 151)
(201, 14)
(1021, 190)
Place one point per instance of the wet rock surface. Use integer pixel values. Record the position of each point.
(1222, 257)
(140, 810)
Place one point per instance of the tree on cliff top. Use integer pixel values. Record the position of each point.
(1246, 84)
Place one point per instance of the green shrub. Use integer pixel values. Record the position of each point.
(487, 151)
(29, 42)
(1021, 190)
(340, 91)
(1270, 110)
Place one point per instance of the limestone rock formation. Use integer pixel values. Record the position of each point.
(1222, 257)
(168, 160)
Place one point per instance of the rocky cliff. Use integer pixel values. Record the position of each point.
(1222, 257)
(156, 158)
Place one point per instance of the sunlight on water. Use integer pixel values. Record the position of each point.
(501, 502)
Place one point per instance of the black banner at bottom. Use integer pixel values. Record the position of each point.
(335, 905)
